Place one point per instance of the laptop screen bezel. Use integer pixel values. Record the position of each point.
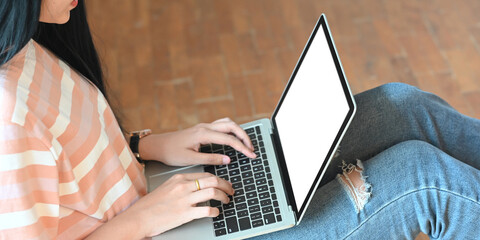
(321, 23)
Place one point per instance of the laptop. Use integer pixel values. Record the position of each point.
(293, 148)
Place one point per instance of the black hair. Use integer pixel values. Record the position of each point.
(72, 42)
(18, 23)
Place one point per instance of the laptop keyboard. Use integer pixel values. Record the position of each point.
(254, 203)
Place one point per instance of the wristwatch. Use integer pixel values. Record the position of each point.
(135, 137)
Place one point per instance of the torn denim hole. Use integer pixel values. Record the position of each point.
(355, 184)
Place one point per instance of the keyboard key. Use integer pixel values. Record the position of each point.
(257, 129)
(237, 185)
(259, 175)
(261, 181)
(256, 161)
(244, 223)
(272, 189)
(221, 171)
(232, 166)
(220, 232)
(235, 179)
(248, 181)
(264, 210)
(277, 210)
(245, 168)
(233, 159)
(264, 156)
(252, 201)
(242, 214)
(251, 136)
(240, 199)
(220, 166)
(234, 172)
(262, 188)
(270, 183)
(269, 218)
(257, 223)
(260, 144)
(241, 206)
(265, 202)
(249, 188)
(263, 151)
(249, 130)
(260, 137)
(247, 174)
(275, 203)
(256, 215)
(265, 163)
(232, 225)
(227, 148)
(264, 195)
(251, 195)
(269, 176)
(255, 208)
(229, 205)
(229, 213)
(218, 225)
(244, 161)
(274, 196)
(239, 192)
(257, 168)
(231, 153)
(279, 218)
(219, 217)
(224, 177)
(241, 155)
(254, 142)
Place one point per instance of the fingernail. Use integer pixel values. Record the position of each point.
(226, 160)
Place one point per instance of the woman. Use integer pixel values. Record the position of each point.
(67, 171)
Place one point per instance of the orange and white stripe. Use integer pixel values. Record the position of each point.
(65, 167)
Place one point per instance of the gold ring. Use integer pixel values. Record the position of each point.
(198, 184)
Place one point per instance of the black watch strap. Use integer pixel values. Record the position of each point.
(135, 140)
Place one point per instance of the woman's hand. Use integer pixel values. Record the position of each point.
(174, 202)
(182, 147)
(170, 205)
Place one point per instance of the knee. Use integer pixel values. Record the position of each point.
(418, 156)
(399, 94)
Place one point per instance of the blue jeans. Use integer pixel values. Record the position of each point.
(422, 159)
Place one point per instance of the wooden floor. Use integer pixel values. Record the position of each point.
(172, 64)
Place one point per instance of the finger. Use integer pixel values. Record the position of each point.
(208, 180)
(212, 136)
(208, 194)
(201, 212)
(209, 158)
(232, 127)
(216, 182)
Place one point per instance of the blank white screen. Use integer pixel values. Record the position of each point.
(311, 116)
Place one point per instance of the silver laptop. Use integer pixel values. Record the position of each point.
(293, 148)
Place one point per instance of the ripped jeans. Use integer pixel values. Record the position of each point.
(422, 160)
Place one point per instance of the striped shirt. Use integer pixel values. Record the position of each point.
(65, 166)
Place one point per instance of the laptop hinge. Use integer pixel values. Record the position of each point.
(283, 170)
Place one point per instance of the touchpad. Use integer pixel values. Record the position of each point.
(157, 173)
